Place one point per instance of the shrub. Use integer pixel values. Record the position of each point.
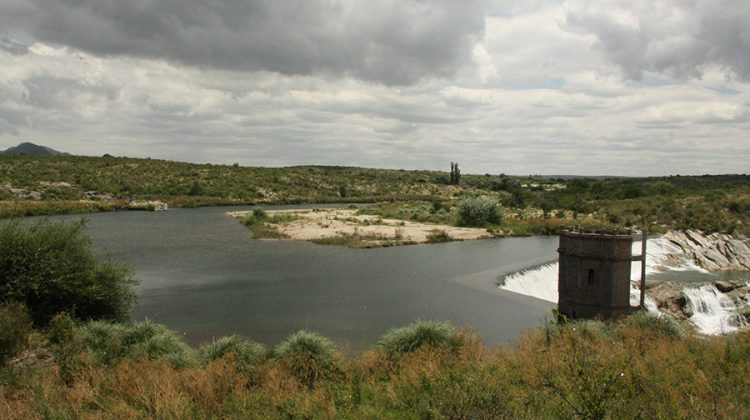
(15, 326)
(50, 267)
(478, 211)
(437, 236)
(247, 354)
(407, 339)
(308, 356)
(664, 326)
(111, 343)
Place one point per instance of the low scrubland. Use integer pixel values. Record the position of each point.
(639, 367)
(33, 185)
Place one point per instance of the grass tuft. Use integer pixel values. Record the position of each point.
(420, 333)
(308, 356)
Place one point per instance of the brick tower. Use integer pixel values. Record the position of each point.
(594, 277)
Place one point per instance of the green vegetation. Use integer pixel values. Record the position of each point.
(262, 225)
(308, 357)
(640, 367)
(408, 339)
(455, 177)
(15, 327)
(437, 236)
(478, 212)
(359, 240)
(246, 354)
(50, 268)
(33, 185)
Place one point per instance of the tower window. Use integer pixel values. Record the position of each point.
(592, 277)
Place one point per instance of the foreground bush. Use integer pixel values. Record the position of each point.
(50, 268)
(246, 354)
(308, 356)
(110, 343)
(586, 369)
(478, 212)
(420, 333)
(15, 326)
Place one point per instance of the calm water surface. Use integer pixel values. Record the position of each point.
(202, 274)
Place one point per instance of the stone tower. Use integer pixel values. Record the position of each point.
(594, 277)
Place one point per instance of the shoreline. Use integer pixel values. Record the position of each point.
(346, 227)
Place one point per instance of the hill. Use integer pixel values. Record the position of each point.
(32, 185)
(32, 149)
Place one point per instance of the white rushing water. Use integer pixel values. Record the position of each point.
(541, 282)
(713, 312)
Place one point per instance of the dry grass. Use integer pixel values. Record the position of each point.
(574, 371)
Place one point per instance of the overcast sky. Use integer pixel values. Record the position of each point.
(632, 87)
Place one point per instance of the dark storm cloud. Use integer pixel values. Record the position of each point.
(680, 38)
(390, 41)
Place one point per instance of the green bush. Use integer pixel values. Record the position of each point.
(248, 355)
(15, 326)
(438, 236)
(110, 343)
(478, 212)
(664, 325)
(308, 356)
(409, 338)
(50, 267)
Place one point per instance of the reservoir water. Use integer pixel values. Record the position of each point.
(202, 274)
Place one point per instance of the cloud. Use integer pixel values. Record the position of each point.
(11, 46)
(677, 38)
(395, 42)
(543, 98)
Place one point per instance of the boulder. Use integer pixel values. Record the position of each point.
(669, 298)
(725, 286)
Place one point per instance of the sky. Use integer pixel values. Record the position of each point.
(579, 87)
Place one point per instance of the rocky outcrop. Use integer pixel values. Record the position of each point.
(713, 252)
(22, 194)
(668, 297)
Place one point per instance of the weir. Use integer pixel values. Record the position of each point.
(594, 274)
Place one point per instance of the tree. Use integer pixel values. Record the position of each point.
(49, 266)
(455, 174)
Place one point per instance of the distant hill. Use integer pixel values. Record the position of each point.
(32, 150)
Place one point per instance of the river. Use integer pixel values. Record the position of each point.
(202, 274)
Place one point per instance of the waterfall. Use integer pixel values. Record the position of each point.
(713, 312)
(541, 282)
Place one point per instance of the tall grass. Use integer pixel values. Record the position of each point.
(308, 356)
(420, 333)
(637, 368)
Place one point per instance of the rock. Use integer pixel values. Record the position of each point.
(55, 184)
(744, 311)
(725, 286)
(95, 195)
(147, 205)
(714, 252)
(669, 298)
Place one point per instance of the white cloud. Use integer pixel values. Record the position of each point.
(540, 93)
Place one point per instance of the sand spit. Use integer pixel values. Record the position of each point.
(317, 224)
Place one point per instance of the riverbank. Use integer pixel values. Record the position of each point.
(348, 227)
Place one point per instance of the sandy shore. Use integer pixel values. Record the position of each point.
(328, 223)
